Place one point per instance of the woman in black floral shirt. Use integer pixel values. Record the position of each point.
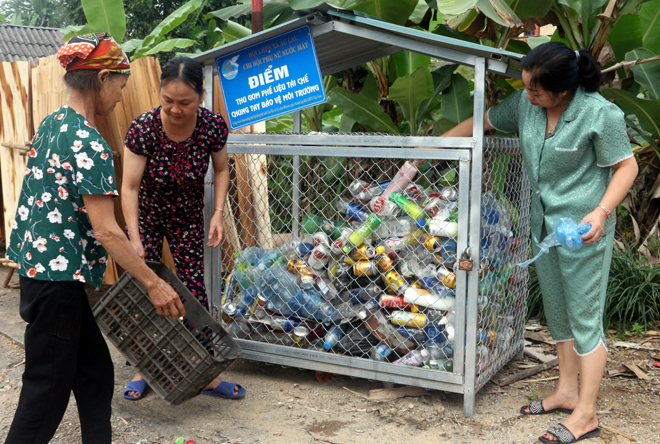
(167, 156)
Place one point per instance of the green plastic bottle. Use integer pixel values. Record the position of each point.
(407, 206)
(313, 224)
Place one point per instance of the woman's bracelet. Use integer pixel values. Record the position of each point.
(607, 212)
(220, 210)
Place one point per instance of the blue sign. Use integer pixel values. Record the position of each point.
(271, 78)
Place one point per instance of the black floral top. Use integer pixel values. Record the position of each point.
(175, 170)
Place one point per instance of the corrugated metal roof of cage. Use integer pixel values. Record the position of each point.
(345, 38)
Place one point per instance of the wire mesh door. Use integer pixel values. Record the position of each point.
(348, 264)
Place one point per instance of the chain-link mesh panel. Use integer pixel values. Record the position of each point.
(356, 255)
(502, 299)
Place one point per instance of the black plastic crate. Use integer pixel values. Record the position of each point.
(177, 358)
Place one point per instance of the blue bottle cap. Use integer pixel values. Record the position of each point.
(421, 223)
(327, 345)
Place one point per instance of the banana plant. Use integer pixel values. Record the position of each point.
(155, 41)
(102, 16)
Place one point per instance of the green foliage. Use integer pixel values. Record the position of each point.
(633, 291)
(647, 111)
(157, 35)
(362, 110)
(456, 101)
(106, 16)
(646, 74)
(410, 90)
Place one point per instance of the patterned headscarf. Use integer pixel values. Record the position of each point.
(93, 51)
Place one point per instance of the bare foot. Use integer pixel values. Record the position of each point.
(578, 423)
(132, 393)
(559, 401)
(216, 382)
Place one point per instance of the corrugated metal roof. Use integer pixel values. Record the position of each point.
(18, 43)
(344, 39)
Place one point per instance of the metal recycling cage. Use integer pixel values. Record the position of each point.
(484, 309)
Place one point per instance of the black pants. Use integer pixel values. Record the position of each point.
(64, 352)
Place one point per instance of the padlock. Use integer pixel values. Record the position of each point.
(465, 262)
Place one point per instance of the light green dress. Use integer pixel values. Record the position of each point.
(569, 173)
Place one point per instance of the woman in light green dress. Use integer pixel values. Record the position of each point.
(580, 165)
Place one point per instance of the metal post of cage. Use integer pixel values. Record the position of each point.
(297, 125)
(475, 236)
(212, 260)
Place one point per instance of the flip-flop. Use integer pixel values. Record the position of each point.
(225, 390)
(536, 408)
(565, 436)
(136, 386)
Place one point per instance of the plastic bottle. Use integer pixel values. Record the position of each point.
(313, 306)
(351, 209)
(311, 224)
(332, 337)
(296, 249)
(362, 294)
(415, 358)
(380, 352)
(281, 323)
(435, 350)
(398, 227)
(357, 238)
(407, 206)
(378, 325)
(445, 364)
(416, 334)
(403, 177)
(346, 312)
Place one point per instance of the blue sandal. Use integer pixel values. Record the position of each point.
(225, 390)
(136, 386)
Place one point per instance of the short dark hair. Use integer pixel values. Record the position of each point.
(557, 68)
(186, 70)
(85, 80)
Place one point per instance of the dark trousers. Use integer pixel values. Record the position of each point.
(64, 352)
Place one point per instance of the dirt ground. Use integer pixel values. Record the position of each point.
(288, 405)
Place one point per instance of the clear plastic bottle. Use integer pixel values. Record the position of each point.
(380, 352)
(346, 312)
(296, 249)
(398, 227)
(313, 306)
(415, 358)
(332, 337)
(362, 294)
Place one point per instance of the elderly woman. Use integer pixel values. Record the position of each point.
(167, 155)
(580, 165)
(61, 237)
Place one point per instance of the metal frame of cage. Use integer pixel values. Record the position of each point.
(468, 151)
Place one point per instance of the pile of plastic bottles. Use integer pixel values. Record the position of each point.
(379, 285)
